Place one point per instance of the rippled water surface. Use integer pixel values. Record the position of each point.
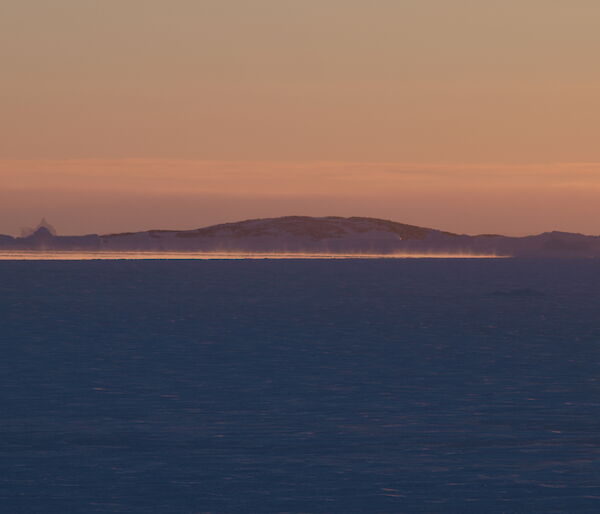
(300, 386)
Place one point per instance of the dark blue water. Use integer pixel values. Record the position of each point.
(300, 386)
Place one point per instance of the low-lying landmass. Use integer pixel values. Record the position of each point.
(304, 234)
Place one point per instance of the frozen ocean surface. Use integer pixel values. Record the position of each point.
(300, 386)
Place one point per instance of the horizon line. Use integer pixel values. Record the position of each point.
(45, 224)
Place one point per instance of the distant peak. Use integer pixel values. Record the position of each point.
(42, 231)
(42, 227)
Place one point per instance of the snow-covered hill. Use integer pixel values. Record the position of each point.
(308, 234)
(290, 233)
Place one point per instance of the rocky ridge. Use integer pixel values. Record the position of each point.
(330, 234)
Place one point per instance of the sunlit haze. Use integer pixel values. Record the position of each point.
(90, 256)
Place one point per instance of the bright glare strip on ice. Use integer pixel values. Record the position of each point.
(86, 256)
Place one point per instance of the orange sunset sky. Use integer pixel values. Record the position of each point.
(465, 115)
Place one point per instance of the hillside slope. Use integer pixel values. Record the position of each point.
(309, 234)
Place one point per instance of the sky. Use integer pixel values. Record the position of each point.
(470, 116)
